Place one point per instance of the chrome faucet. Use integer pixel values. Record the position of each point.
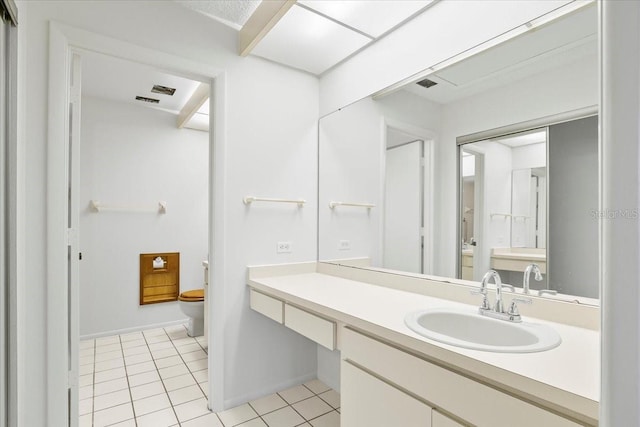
(498, 311)
(535, 268)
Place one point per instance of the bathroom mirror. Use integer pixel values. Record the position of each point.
(395, 188)
(517, 208)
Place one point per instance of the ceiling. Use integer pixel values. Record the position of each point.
(233, 13)
(316, 35)
(562, 42)
(120, 80)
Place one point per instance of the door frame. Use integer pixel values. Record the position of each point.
(429, 138)
(63, 41)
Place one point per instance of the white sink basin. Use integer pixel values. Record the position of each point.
(468, 329)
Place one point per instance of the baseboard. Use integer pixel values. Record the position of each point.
(134, 329)
(237, 401)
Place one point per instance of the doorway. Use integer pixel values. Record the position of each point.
(142, 188)
(62, 240)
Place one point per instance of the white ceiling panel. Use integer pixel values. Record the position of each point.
(372, 17)
(305, 40)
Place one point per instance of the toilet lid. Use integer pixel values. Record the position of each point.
(193, 295)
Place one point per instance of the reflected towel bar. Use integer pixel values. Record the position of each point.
(333, 204)
(250, 199)
(96, 206)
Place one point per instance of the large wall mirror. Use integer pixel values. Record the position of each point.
(492, 158)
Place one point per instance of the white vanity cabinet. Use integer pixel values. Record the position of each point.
(421, 385)
(367, 401)
(312, 326)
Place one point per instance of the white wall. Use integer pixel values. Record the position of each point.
(620, 163)
(136, 156)
(568, 88)
(425, 42)
(352, 149)
(270, 140)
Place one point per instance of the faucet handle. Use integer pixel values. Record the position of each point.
(510, 287)
(513, 308)
(547, 291)
(485, 301)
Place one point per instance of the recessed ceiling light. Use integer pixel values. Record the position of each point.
(165, 90)
(149, 100)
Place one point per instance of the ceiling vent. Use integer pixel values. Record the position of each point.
(426, 83)
(165, 90)
(149, 100)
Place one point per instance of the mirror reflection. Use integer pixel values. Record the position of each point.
(403, 187)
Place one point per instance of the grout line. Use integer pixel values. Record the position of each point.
(126, 375)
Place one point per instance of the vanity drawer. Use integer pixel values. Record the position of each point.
(270, 307)
(315, 328)
(474, 402)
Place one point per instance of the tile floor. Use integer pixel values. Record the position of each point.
(158, 378)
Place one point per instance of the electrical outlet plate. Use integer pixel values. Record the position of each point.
(284, 247)
(344, 245)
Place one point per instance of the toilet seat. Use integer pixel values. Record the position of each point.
(194, 295)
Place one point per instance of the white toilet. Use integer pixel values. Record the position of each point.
(192, 304)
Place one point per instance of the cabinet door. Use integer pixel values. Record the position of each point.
(370, 402)
(439, 420)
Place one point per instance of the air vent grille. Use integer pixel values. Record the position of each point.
(426, 83)
(149, 100)
(165, 90)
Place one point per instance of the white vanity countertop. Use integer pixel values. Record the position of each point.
(567, 375)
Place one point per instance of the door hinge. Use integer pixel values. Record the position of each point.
(71, 236)
(72, 379)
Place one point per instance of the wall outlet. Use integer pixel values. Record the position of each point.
(284, 247)
(344, 245)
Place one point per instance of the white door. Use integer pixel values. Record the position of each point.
(73, 214)
(403, 208)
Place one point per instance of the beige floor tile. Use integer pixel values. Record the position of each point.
(139, 368)
(141, 349)
(332, 397)
(147, 390)
(108, 364)
(85, 420)
(134, 359)
(198, 365)
(111, 386)
(190, 410)
(85, 406)
(201, 376)
(169, 361)
(108, 348)
(317, 386)
(268, 404)
(312, 407)
(163, 418)
(189, 348)
(210, 420)
(85, 380)
(161, 354)
(194, 355)
(143, 378)
(332, 419)
(256, 422)
(174, 383)
(295, 394)
(109, 375)
(101, 357)
(113, 415)
(285, 417)
(133, 336)
(237, 415)
(151, 404)
(173, 371)
(185, 394)
(109, 400)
